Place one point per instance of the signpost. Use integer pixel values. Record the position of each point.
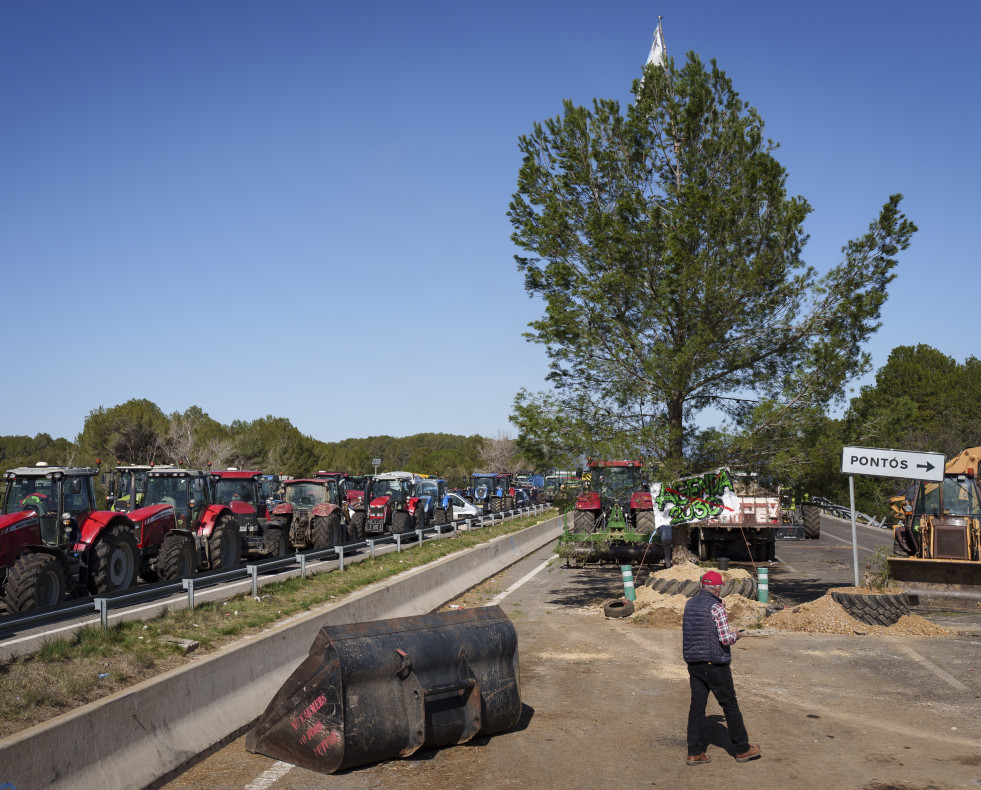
(886, 463)
(376, 462)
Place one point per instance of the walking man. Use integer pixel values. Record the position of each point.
(706, 636)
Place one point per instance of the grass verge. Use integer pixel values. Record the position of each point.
(90, 664)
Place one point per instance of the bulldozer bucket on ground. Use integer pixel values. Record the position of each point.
(937, 580)
(383, 689)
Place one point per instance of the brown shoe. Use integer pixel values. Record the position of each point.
(750, 754)
(700, 759)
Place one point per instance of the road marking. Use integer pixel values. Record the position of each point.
(933, 668)
(787, 565)
(278, 771)
(527, 577)
(846, 542)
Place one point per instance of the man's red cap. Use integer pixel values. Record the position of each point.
(712, 579)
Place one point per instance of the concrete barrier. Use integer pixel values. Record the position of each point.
(142, 735)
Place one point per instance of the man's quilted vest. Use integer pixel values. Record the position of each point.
(700, 636)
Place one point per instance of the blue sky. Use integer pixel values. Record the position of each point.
(299, 208)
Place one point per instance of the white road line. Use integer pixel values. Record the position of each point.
(846, 542)
(933, 668)
(278, 771)
(527, 577)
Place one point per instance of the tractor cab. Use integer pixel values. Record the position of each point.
(616, 483)
(304, 495)
(126, 484)
(58, 496)
(242, 493)
(189, 492)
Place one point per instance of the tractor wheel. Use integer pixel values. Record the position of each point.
(883, 609)
(274, 542)
(688, 588)
(225, 544)
(178, 557)
(495, 504)
(356, 527)
(420, 518)
(618, 608)
(584, 522)
(401, 522)
(325, 531)
(645, 522)
(509, 503)
(439, 516)
(115, 561)
(812, 521)
(35, 580)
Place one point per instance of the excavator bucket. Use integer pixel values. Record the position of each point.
(383, 689)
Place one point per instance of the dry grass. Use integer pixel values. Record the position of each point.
(92, 663)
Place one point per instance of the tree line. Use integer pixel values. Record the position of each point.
(139, 432)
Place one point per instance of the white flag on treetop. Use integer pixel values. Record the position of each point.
(658, 54)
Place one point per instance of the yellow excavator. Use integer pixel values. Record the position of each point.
(939, 529)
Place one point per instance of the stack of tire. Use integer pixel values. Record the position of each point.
(871, 608)
(745, 587)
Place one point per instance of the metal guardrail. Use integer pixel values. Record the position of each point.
(846, 512)
(148, 592)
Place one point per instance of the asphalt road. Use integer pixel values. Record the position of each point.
(605, 701)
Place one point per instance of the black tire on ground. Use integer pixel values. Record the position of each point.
(275, 542)
(750, 589)
(401, 522)
(35, 580)
(225, 544)
(729, 587)
(583, 522)
(439, 515)
(655, 583)
(688, 588)
(645, 522)
(670, 587)
(356, 527)
(884, 609)
(811, 517)
(495, 504)
(178, 557)
(618, 608)
(114, 560)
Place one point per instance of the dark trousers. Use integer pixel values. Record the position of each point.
(716, 678)
(666, 545)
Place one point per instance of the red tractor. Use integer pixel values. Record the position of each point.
(311, 514)
(53, 540)
(392, 504)
(615, 483)
(201, 534)
(242, 492)
(351, 490)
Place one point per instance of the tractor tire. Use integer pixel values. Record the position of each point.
(670, 587)
(401, 522)
(178, 557)
(419, 519)
(509, 503)
(225, 544)
(439, 516)
(688, 588)
(618, 608)
(356, 527)
(812, 521)
(275, 542)
(325, 531)
(115, 561)
(872, 609)
(584, 522)
(35, 580)
(495, 504)
(645, 522)
(729, 587)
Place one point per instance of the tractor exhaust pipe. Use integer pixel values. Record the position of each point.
(383, 689)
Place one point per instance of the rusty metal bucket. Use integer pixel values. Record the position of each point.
(383, 689)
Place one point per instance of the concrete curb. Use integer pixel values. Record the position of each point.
(145, 733)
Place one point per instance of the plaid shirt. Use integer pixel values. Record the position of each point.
(726, 635)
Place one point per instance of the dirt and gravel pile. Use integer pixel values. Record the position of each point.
(824, 616)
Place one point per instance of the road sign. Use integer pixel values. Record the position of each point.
(376, 461)
(892, 463)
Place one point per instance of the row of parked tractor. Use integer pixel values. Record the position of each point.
(165, 522)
